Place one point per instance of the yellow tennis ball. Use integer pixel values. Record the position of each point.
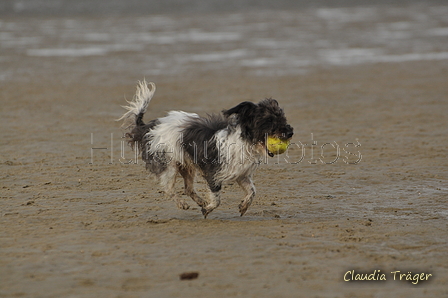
(276, 145)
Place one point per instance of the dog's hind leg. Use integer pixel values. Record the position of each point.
(168, 181)
(215, 201)
(188, 175)
(214, 197)
(247, 184)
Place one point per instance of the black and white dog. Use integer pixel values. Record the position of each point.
(222, 147)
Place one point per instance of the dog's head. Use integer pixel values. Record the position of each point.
(260, 120)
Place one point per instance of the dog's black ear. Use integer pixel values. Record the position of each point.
(245, 114)
(243, 109)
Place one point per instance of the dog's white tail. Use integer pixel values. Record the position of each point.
(137, 107)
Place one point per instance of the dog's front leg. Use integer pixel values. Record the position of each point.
(247, 184)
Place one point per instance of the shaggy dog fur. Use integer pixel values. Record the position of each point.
(222, 147)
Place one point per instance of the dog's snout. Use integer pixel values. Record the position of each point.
(289, 131)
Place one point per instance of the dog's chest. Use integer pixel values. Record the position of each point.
(238, 158)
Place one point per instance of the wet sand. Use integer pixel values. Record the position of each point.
(71, 228)
(82, 222)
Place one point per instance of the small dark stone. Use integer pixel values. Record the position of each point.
(189, 275)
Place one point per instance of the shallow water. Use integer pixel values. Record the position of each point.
(254, 43)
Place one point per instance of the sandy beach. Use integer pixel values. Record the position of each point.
(362, 190)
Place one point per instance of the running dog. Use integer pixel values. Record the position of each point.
(222, 147)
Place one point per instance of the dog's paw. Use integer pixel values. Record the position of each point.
(181, 204)
(206, 211)
(243, 207)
